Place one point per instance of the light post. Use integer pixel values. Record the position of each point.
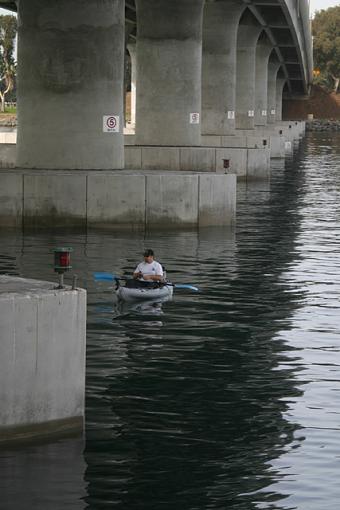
(62, 263)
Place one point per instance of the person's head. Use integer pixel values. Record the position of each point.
(148, 256)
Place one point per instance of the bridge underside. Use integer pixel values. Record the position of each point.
(272, 15)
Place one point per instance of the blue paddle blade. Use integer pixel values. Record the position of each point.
(186, 286)
(104, 276)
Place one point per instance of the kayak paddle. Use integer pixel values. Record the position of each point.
(113, 277)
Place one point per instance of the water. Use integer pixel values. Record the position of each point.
(227, 399)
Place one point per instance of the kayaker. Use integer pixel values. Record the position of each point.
(150, 269)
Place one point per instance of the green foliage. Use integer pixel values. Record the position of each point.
(326, 32)
(8, 31)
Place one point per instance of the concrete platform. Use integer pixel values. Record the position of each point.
(275, 143)
(118, 199)
(243, 162)
(42, 358)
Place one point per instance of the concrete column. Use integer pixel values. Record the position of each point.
(220, 26)
(248, 34)
(273, 68)
(169, 65)
(263, 51)
(70, 76)
(280, 83)
(132, 51)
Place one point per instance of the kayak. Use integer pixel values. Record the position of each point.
(133, 294)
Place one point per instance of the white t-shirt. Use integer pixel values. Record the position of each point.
(146, 269)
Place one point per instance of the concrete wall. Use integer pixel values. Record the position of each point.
(42, 358)
(116, 199)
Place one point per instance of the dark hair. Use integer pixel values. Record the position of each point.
(148, 253)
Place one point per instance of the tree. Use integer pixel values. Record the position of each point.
(8, 31)
(326, 32)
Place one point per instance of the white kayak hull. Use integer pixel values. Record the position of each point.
(127, 294)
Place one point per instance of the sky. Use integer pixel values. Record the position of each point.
(317, 5)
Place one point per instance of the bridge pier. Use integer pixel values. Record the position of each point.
(273, 68)
(263, 51)
(280, 83)
(132, 51)
(248, 34)
(169, 65)
(70, 75)
(220, 27)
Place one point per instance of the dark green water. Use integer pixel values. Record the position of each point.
(227, 399)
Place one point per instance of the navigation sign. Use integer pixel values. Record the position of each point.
(250, 113)
(194, 118)
(111, 123)
(272, 112)
(231, 115)
(264, 113)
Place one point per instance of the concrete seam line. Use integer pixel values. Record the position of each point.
(198, 198)
(86, 199)
(247, 160)
(145, 201)
(37, 337)
(23, 202)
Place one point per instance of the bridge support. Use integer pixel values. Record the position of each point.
(70, 75)
(248, 34)
(263, 51)
(273, 68)
(280, 83)
(220, 26)
(132, 51)
(169, 64)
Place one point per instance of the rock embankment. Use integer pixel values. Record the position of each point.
(323, 125)
(321, 104)
(8, 120)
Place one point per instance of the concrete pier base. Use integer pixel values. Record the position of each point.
(42, 358)
(118, 200)
(243, 160)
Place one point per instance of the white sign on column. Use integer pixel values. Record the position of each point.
(194, 118)
(231, 114)
(251, 113)
(111, 124)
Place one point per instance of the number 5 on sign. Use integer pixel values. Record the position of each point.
(111, 123)
(194, 118)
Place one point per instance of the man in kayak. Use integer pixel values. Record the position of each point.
(150, 270)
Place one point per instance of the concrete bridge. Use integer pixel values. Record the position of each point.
(207, 81)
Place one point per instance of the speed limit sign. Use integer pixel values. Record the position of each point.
(111, 123)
